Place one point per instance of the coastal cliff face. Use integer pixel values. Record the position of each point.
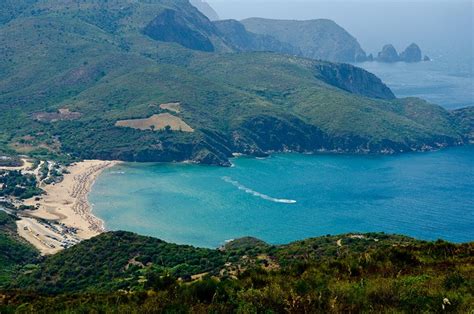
(316, 39)
(354, 80)
(172, 26)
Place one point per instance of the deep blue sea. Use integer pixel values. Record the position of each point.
(288, 197)
(447, 80)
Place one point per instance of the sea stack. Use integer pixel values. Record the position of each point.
(411, 54)
(388, 54)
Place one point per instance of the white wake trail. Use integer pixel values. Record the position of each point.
(257, 194)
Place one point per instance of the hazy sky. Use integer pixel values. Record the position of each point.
(437, 25)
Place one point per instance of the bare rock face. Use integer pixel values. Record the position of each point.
(174, 26)
(388, 54)
(411, 54)
(354, 80)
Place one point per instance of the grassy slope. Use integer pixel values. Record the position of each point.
(379, 273)
(92, 58)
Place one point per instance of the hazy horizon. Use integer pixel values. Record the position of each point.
(437, 26)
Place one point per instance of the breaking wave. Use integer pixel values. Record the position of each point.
(257, 194)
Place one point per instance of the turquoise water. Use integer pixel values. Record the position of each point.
(289, 197)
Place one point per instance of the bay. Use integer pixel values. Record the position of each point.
(290, 197)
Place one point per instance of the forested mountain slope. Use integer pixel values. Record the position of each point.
(96, 64)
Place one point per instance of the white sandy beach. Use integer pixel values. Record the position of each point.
(64, 215)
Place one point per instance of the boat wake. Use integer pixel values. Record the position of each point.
(257, 194)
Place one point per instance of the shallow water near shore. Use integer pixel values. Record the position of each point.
(289, 197)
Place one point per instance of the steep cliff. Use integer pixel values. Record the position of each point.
(354, 80)
(317, 39)
(173, 26)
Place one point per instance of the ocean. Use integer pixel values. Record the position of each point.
(447, 80)
(288, 197)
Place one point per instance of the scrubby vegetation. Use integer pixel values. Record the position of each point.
(15, 183)
(125, 273)
(14, 251)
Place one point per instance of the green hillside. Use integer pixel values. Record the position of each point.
(14, 251)
(125, 273)
(95, 63)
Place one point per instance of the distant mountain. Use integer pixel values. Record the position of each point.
(205, 9)
(316, 39)
(96, 65)
(236, 34)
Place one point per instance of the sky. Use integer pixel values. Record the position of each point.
(438, 26)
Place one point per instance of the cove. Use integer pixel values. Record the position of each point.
(289, 197)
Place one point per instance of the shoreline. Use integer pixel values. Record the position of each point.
(64, 215)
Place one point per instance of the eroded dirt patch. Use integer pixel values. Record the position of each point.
(60, 115)
(173, 106)
(160, 121)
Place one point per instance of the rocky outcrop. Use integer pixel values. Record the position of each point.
(411, 54)
(354, 80)
(173, 26)
(388, 54)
